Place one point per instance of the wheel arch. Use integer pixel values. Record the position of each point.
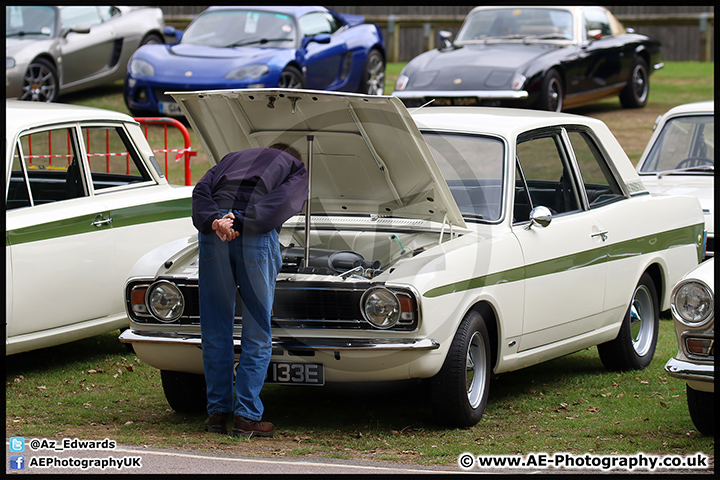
(487, 311)
(657, 275)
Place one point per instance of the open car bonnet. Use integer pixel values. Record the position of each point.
(368, 156)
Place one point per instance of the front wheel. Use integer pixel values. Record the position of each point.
(291, 77)
(41, 82)
(459, 392)
(551, 93)
(636, 92)
(185, 392)
(634, 347)
(702, 410)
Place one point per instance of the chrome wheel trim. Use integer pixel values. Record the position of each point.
(475, 370)
(554, 95)
(375, 83)
(642, 320)
(640, 84)
(39, 83)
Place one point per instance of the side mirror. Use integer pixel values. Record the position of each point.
(445, 37)
(172, 33)
(539, 216)
(595, 34)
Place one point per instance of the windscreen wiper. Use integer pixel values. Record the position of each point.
(260, 41)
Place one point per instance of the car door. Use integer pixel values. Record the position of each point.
(85, 54)
(598, 65)
(565, 272)
(59, 238)
(326, 62)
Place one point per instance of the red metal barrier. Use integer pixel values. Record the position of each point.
(186, 152)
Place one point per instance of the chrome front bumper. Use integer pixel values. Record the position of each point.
(292, 344)
(685, 370)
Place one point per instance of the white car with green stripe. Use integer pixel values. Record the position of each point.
(84, 199)
(448, 244)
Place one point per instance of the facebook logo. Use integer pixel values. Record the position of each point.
(17, 444)
(17, 462)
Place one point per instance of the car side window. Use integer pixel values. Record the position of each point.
(72, 17)
(595, 19)
(113, 160)
(601, 186)
(108, 12)
(544, 176)
(319, 22)
(49, 163)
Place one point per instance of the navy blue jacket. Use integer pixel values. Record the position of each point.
(268, 185)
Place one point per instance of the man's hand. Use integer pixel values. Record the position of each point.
(223, 228)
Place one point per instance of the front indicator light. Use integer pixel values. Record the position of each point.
(137, 300)
(165, 301)
(380, 307)
(702, 347)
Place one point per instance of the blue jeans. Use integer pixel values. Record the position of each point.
(250, 263)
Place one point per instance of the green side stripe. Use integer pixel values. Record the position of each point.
(629, 248)
(123, 217)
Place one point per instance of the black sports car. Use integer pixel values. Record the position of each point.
(547, 58)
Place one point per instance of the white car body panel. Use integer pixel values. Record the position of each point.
(65, 276)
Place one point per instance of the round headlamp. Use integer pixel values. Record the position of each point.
(380, 307)
(165, 301)
(692, 303)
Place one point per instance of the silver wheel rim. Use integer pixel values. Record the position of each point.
(376, 76)
(289, 80)
(554, 96)
(39, 84)
(475, 370)
(639, 81)
(642, 320)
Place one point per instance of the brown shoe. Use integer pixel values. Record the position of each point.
(242, 427)
(216, 423)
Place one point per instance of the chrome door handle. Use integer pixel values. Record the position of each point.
(99, 221)
(602, 234)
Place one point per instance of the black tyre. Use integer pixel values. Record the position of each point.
(291, 77)
(459, 392)
(41, 82)
(185, 392)
(634, 347)
(373, 78)
(636, 92)
(151, 39)
(702, 410)
(551, 93)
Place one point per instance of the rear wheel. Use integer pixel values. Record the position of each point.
(636, 92)
(41, 82)
(373, 79)
(634, 346)
(702, 410)
(459, 392)
(290, 78)
(185, 392)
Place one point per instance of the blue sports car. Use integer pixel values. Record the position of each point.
(256, 47)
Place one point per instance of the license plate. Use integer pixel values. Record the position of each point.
(296, 373)
(170, 108)
(456, 101)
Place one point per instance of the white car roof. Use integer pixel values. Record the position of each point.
(21, 115)
(707, 106)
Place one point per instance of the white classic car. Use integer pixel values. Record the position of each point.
(693, 309)
(448, 244)
(84, 200)
(680, 158)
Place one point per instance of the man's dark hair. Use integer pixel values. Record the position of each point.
(287, 148)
